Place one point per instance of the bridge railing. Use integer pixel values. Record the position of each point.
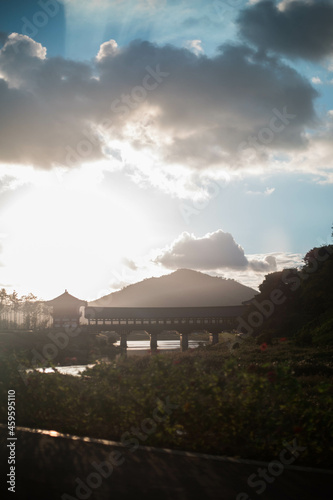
(156, 320)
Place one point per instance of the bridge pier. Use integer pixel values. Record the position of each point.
(183, 341)
(214, 338)
(153, 341)
(123, 340)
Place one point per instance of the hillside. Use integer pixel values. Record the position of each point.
(183, 288)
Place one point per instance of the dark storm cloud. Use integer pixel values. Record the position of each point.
(45, 105)
(210, 106)
(196, 111)
(300, 30)
(214, 251)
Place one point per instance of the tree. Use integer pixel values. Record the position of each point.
(4, 303)
(30, 307)
(15, 304)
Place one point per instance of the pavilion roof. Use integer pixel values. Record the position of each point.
(66, 299)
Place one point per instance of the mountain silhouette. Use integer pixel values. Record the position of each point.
(182, 288)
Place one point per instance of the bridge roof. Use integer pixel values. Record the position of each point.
(164, 312)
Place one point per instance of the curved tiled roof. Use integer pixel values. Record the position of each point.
(66, 299)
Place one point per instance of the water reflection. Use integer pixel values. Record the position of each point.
(162, 345)
(134, 347)
(64, 370)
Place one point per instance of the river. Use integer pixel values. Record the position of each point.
(134, 348)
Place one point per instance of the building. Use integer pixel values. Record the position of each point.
(66, 310)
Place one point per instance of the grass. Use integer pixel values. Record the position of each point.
(245, 402)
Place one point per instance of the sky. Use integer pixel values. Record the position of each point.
(140, 137)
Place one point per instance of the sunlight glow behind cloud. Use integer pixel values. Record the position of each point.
(152, 108)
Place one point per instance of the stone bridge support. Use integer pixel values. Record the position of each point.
(153, 341)
(183, 342)
(214, 338)
(123, 339)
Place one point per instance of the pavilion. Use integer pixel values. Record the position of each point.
(66, 310)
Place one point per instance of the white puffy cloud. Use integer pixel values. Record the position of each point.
(20, 56)
(23, 45)
(107, 49)
(214, 251)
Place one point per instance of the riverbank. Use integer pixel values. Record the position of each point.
(244, 402)
(55, 348)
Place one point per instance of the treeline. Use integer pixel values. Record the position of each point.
(25, 312)
(296, 302)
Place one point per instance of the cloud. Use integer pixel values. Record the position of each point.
(198, 116)
(253, 275)
(297, 29)
(107, 49)
(283, 4)
(45, 106)
(316, 80)
(268, 263)
(9, 182)
(195, 46)
(161, 107)
(130, 264)
(317, 159)
(213, 251)
(268, 191)
(18, 47)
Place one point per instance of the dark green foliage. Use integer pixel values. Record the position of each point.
(306, 311)
(241, 403)
(319, 331)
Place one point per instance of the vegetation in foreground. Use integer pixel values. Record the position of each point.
(246, 402)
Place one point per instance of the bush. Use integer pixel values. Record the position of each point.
(245, 402)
